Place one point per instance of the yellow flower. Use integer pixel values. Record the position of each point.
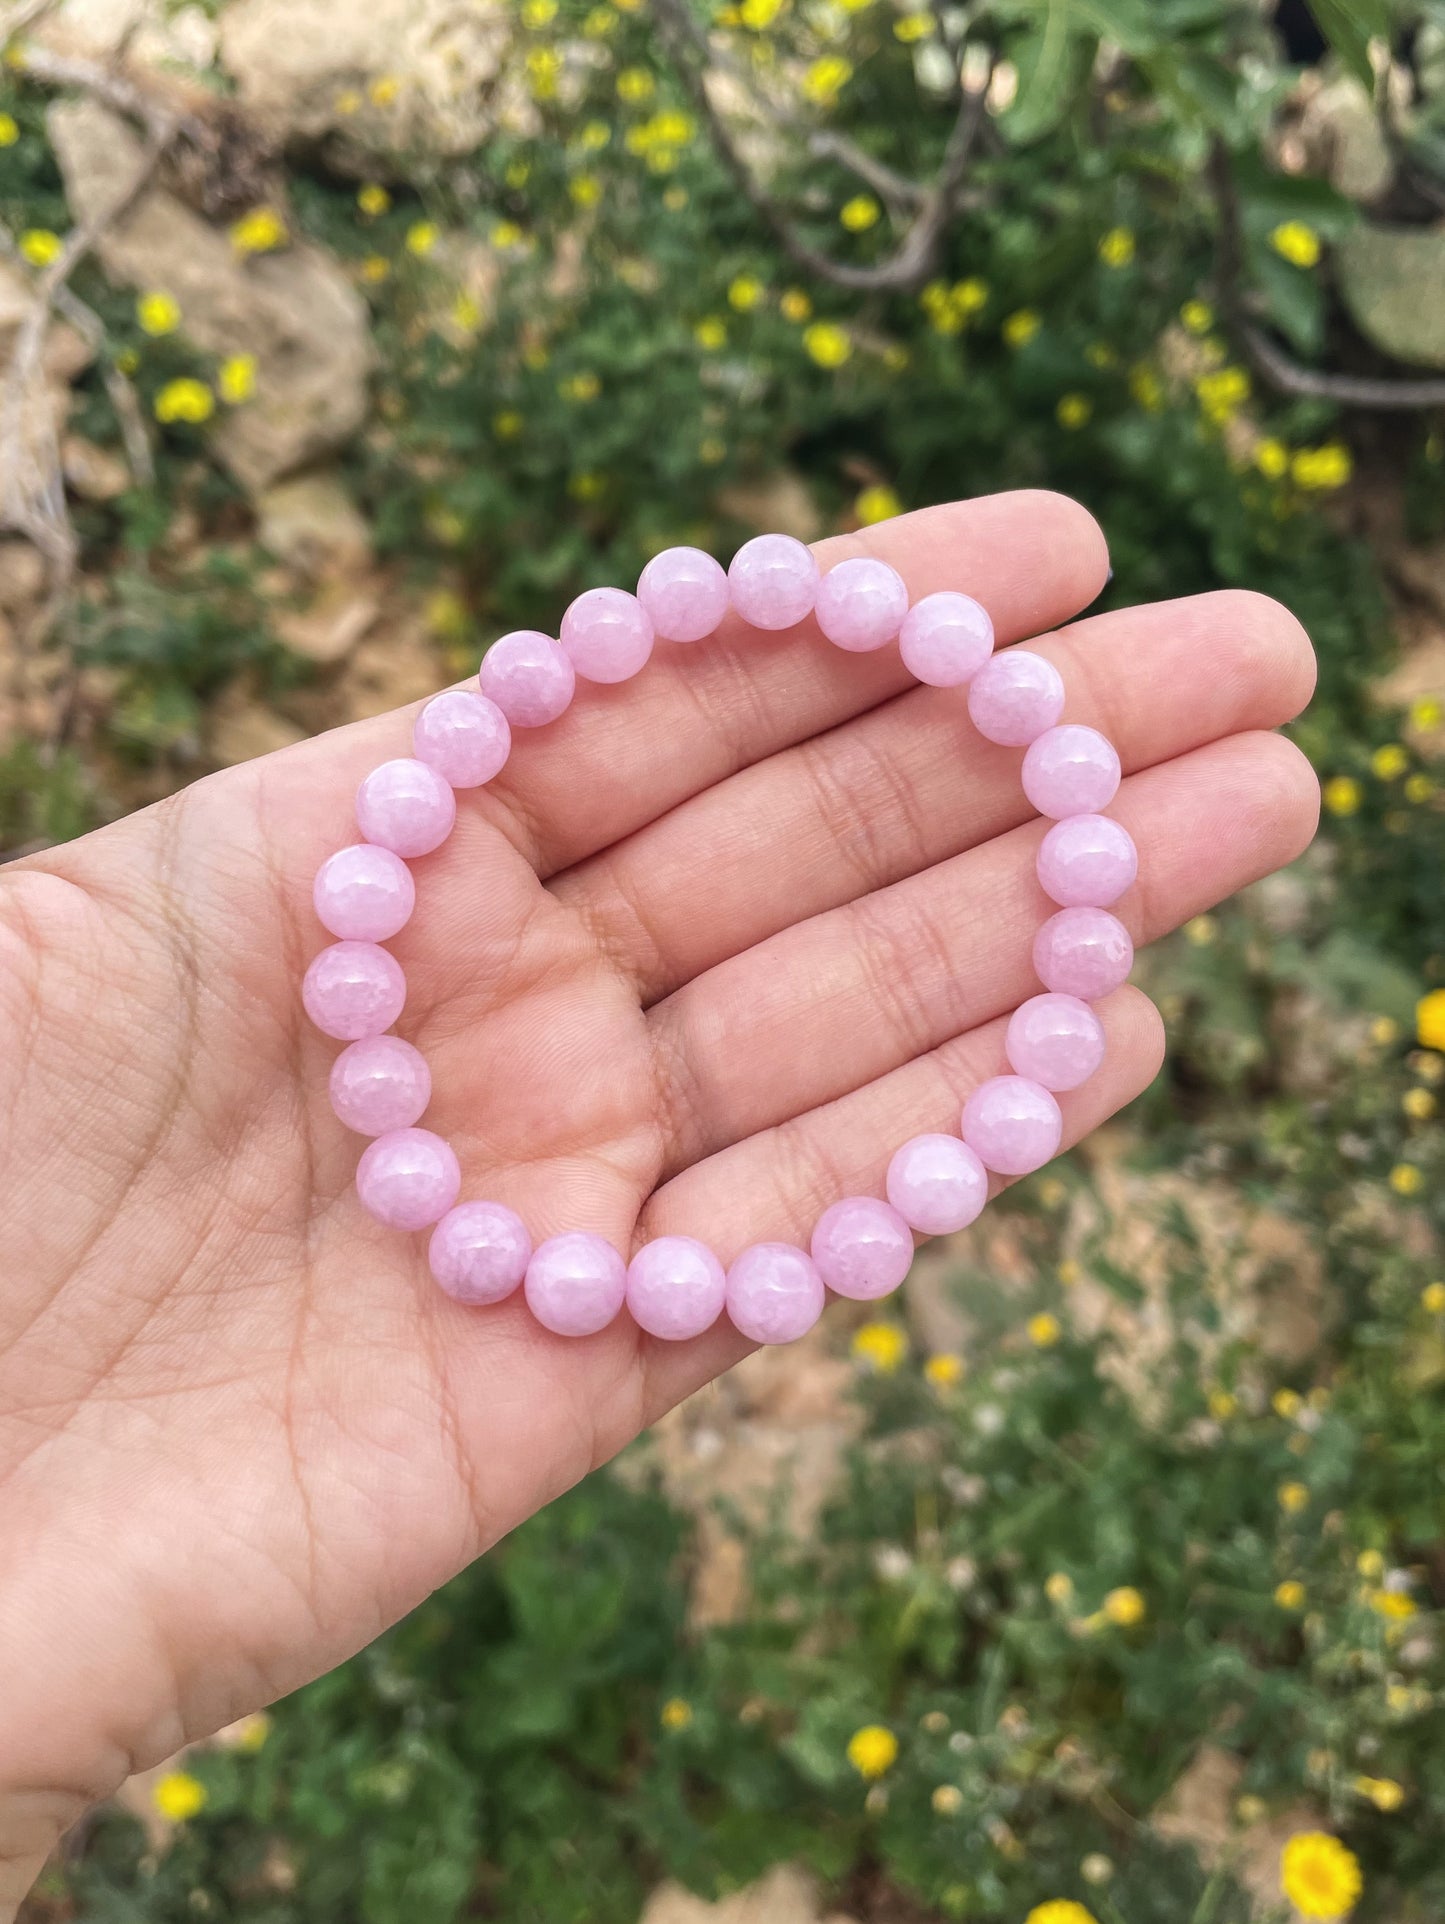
(251, 1732)
(421, 238)
(538, 13)
(711, 450)
(384, 90)
(860, 213)
(375, 268)
(599, 23)
(1427, 712)
(128, 361)
(1060, 1910)
(635, 84)
(1222, 393)
(178, 1796)
(795, 306)
(1293, 1497)
(594, 136)
(759, 15)
(827, 344)
(1222, 1405)
(1059, 1588)
(1383, 1792)
(1343, 795)
(1116, 249)
(580, 387)
(970, 295)
(826, 78)
(1125, 1606)
(913, 26)
(544, 69)
(236, 379)
(348, 101)
(1020, 328)
(1418, 1104)
(676, 1714)
(9, 130)
(1320, 469)
(1068, 1271)
(518, 173)
(39, 246)
(1074, 410)
(711, 334)
(158, 313)
(1197, 316)
(1393, 1605)
(895, 357)
(1287, 1403)
(1146, 387)
(1418, 788)
(1044, 1330)
(745, 293)
(1201, 931)
(1370, 1564)
(947, 1800)
(535, 356)
(1390, 762)
(507, 425)
(587, 486)
(373, 198)
(1430, 1020)
(259, 232)
(1100, 354)
(881, 1345)
(1297, 242)
(1432, 1298)
(878, 503)
(507, 233)
(1290, 1595)
(1384, 1030)
(872, 1750)
(1271, 457)
(1319, 1876)
(1406, 1179)
(185, 400)
(585, 189)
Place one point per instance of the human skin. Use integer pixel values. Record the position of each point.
(707, 950)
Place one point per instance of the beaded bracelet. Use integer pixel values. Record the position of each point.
(675, 1287)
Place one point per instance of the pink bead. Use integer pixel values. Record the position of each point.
(684, 594)
(529, 677)
(463, 736)
(1087, 861)
(575, 1284)
(937, 1185)
(479, 1253)
(774, 1294)
(409, 1179)
(354, 989)
(1012, 1125)
(945, 639)
(406, 807)
(380, 1084)
(1083, 952)
(364, 894)
(861, 604)
(1014, 697)
(675, 1288)
(774, 581)
(1056, 1040)
(863, 1248)
(1071, 771)
(607, 634)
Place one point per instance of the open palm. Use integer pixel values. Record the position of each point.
(709, 948)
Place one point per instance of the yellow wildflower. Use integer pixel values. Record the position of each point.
(128, 361)
(506, 233)
(587, 486)
(1069, 1271)
(1044, 1330)
(185, 400)
(827, 344)
(585, 189)
(745, 292)
(348, 101)
(517, 173)
(913, 26)
(421, 238)
(1201, 931)
(1419, 788)
(676, 1714)
(1222, 393)
(507, 425)
(544, 69)
(1320, 469)
(1271, 457)
(1430, 1020)
(759, 15)
(1074, 411)
(1058, 1588)
(1394, 1605)
(1319, 1876)
(947, 1800)
(635, 85)
(538, 13)
(1432, 1299)
(158, 313)
(1124, 1606)
(580, 387)
(1342, 795)
(878, 503)
(1099, 354)
(826, 78)
(1406, 1179)
(9, 130)
(1116, 249)
(1146, 387)
(1287, 1403)
(375, 268)
(711, 449)
(859, 213)
(236, 379)
(599, 23)
(1297, 242)
(1060, 1910)
(872, 1750)
(881, 1345)
(711, 334)
(178, 1796)
(384, 90)
(1290, 1595)
(373, 199)
(795, 306)
(1197, 316)
(1418, 1104)
(1390, 762)
(1427, 712)
(39, 246)
(259, 232)
(970, 295)
(1293, 1497)
(1222, 1405)
(251, 1733)
(1020, 327)
(1383, 1792)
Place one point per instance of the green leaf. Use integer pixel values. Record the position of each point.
(1350, 26)
(1045, 61)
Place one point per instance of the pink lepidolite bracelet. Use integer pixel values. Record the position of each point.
(675, 1287)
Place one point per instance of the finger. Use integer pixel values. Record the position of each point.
(911, 782)
(837, 1001)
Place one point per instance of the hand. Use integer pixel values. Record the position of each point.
(705, 953)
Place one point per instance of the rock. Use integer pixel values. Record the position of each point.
(22, 577)
(396, 663)
(94, 473)
(294, 310)
(312, 524)
(782, 503)
(1200, 1812)
(1392, 280)
(787, 1895)
(65, 355)
(330, 628)
(240, 728)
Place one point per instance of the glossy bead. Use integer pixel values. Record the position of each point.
(1083, 952)
(1015, 697)
(479, 1252)
(1056, 1040)
(684, 593)
(380, 1084)
(863, 1248)
(937, 1184)
(774, 581)
(529, 677)
(1012, 1125)
(354, 989)
(408, 1179)
(945, 639)
(464, 737)
(406, 807)
(606, 635)
(861, 604)
(575, 1284)
(774, 1293)
(675, 1288)
(1087, 861)
(364, 893)
(1071, 771)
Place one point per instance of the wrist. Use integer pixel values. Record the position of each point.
(32, 1822)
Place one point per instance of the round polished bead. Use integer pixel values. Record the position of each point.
(1056, 1040)
(861, 604)
(607, 635)
(676, 1288)
(529, 677)
(479, 1252)
(774, 1293)
(408, 1179)
(364, 894)
(464, 737)
(684, 593)
(945, 639)
(354, 989)
(863, 1248)
(1083, 952)
(575, 1284)
(380, 1084)
(1012, 1125)
(937, 1184)
(406, 807)
(1087, 861)
(1071, 770)
(774, 581)
(1015, 697)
